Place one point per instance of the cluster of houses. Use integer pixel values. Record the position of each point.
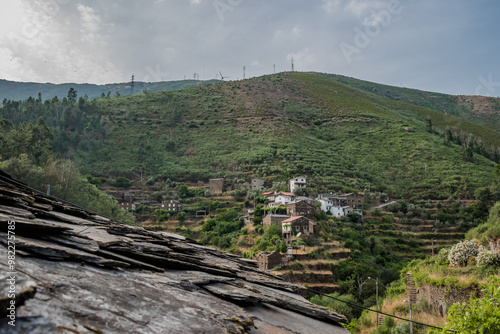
(300, 210)
(300, 215)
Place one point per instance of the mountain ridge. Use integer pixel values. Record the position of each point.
(14, 90)
(273, 127)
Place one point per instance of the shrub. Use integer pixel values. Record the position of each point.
(462, 252)
(122, 182)
(387, 219)
(487, 258)
(442, 257)
(401, 328)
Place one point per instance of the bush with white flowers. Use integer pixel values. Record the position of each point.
(488, 258)
(462, 252)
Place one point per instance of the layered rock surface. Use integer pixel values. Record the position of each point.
(78, 272)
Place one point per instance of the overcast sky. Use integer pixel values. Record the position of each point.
(449, 46)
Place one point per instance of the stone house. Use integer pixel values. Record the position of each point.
(171, 205)
(257, 183)
(301, 208)
(128, 198)
(216, 186)
(127, 206)
(297, 183)
(273, 219)
(269, 260)
(355, 200)
(299, 224)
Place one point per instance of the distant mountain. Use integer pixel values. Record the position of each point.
(13, 90)
(482, 110)
(274, 127)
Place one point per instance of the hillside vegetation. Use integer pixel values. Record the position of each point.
(273, 127)
(478, 109)
(165, 146)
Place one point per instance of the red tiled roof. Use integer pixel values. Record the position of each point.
(289, 220)
(287, 194)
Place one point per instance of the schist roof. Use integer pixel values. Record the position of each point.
(78, 272)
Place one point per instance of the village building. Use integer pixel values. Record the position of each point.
(128, 198)
(301, 208)
(216, 186)
(257, 183)
(269, 260)
(326, 202)
(278, 199)
(341, 211)
(248, 218)
(127, 206)
(309, 200)
(297, 183)
(273, 219)
(171, 205)
(355, 200)
(299, 224)
(271, 195)
(284, 198)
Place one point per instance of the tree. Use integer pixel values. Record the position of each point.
(183, 191)
(273, 233)
(122, 182)
(479, 315)
(72, 95)
(301, 192)
(428, 125)
(181, 217)
(353, 217)
(41, 140)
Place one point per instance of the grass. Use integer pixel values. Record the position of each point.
(279, 126)
(427, 272)
(465, 107)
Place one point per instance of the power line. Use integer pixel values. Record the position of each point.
(369, 309)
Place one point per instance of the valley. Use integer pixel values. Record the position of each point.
(422, 168)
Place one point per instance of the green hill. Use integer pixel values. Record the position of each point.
(478, 109)
(274, 127)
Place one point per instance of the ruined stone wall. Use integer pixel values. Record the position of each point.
(440, 297)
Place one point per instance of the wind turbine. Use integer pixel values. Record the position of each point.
(221, 76)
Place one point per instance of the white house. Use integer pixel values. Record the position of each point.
(341, 211)
(326, 204)
(297, 183)
(284, 198)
